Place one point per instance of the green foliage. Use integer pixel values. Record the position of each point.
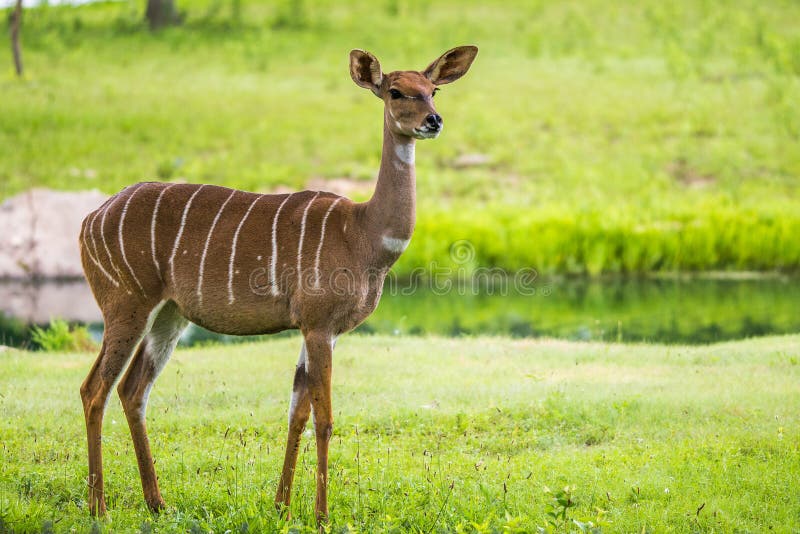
(59, 336)
(431, 435)
(626, 138)
(596, 242)
(561, 501)
(559, 518)
(13, 332)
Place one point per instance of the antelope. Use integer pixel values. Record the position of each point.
(159, 255)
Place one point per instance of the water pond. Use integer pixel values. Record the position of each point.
(676, 310)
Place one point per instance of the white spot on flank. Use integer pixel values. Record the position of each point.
(300, 242)
(274, 258)
(322, 239)
(393, 244)
(180, 233)
(153, 230)
(258, 258)
(405, 153)
(121, 243)
(233, 248)
(205, 248)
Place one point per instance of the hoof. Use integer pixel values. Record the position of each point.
(283, 510)
(156, 505)
(97, 504)
(98, 510)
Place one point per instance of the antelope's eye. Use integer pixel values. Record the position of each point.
(434, 92)
(395, 94)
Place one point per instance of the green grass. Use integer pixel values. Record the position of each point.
(431, 435)
(620, 137)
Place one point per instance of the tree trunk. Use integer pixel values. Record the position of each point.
(161, 13)
(16, 22)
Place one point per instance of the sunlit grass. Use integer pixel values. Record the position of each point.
(431, 434)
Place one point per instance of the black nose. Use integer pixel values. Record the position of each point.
(434, 121)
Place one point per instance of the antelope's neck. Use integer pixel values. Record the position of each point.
(391, 211)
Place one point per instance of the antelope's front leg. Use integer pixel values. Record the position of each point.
(320, 360)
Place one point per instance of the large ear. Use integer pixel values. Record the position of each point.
(366, 70)
(452, 65)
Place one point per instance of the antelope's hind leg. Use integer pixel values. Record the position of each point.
(124, 329)
(299, 411)
(134, 390)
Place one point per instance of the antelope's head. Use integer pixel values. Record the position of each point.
(408, 94)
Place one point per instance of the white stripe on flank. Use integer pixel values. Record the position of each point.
(90, 228)
(103, 236)
(233, 248)
(91, 233)
(180, 233)
(153, 231)
(205, 248)
(300, 242)
(121, 244)
(321, 239)
(273, 261)
(94, 246)
(92, 257)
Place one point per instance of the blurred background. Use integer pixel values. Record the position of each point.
(639, 161)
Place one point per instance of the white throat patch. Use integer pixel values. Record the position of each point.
(405, 153)
(393, 244)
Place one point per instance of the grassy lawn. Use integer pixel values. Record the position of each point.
(456, 435)
(631, 137)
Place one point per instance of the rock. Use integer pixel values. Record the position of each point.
(342, 186)
(39, 233)
(471, 160)
(40, 302)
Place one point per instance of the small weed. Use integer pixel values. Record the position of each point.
(60, 337)
(561, 501)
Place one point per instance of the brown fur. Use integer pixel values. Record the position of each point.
(150, 276)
